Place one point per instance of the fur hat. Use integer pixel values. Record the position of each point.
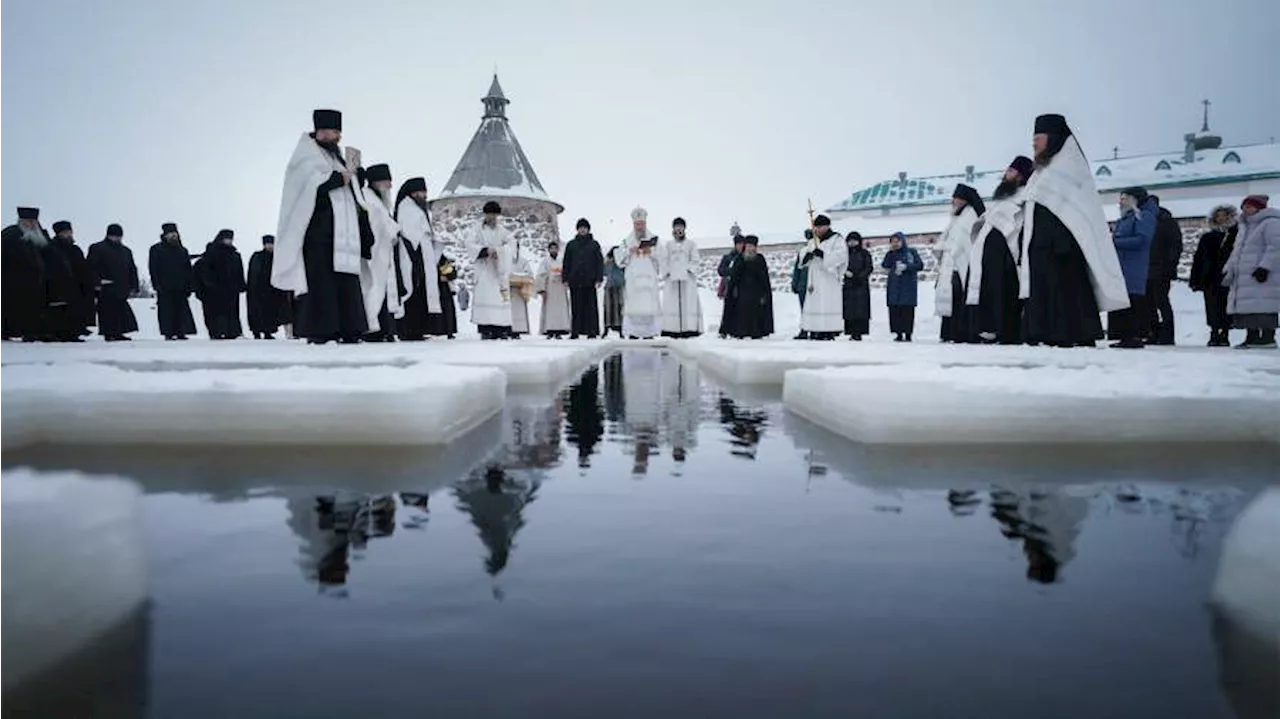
(114, 230)
(490, 207)
(61, 226)
(327, 120)
(1233, 215)
(639, 214)
(582, 224)
(1258, 201)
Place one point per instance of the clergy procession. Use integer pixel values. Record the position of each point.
(352, 261)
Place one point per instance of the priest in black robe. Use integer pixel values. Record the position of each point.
(79, 296)
(116, 279)
(266, 303)
(173, 280)
(1070, 272)
(318, 238)
(857, 288)
(416, 324)
(993, 272)
(24, 286)
(445, 322)
(749, 294)
(220, 274)
(583, 271)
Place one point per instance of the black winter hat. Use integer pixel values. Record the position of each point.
(114, 230)
(582, 223)
(822, 221)
(678, 222)
(28, 213)
(1137, 193)
(268, 239)
(327, 120)
(60, 226)
(168, 227)
(1052, 125)
(378, 173)
(225, 235)
(492, 208)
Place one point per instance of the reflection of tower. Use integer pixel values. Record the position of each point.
(584, 419)
(682, 399)
(745, 426)
(1048, 525)
(615, 404)
(495, 501)
(330, 526)
(643, 393)
(533, 436)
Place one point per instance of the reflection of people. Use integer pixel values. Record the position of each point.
(1047, 524)
(495, 501)
(681, 397)
(745, 425)
(584, 419)
(330, 525)
(615, 405)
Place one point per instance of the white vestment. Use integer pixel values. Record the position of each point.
(520, 271)
(491, 302)
(682, 401)
(415, 228)
(681, 308)
(957, 244)
(555, 297)
(1067, 189)
(824, 302)
(309, 168)
(641, 305)
(377, 274)
(1006, 217)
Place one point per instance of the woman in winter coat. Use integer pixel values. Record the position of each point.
(615, 283)
(1132, 237)
(1253, 274)
(857, 288)
(903, 264)
(1208, 266)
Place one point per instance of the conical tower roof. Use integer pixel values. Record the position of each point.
(494, 164)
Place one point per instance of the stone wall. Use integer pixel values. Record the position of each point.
(533, 223)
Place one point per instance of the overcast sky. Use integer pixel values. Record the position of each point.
(141, 112)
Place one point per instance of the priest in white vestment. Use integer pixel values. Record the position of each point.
(378, 281)
(555, 320)
(521, 282)
(825, 257)
(490, 250)
(318, 244)
(678, 262)
(956, 246)
(993, 263)
(422, 298)
(641, 305)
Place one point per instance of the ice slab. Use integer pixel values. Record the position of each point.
(1113, 402)
(1247, 587)
(83, 403)
(74, 567)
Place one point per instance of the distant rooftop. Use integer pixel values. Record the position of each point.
(1203, 161)
(494, 164)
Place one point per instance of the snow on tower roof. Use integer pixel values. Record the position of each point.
(494, 164)
(1170, 169)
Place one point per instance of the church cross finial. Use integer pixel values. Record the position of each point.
(1206, 104)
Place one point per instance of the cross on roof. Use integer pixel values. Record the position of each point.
(1206, 104)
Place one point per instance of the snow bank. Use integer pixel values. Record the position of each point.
(1247, 588)
(74, 567)
(1110, 402)
(83, 403)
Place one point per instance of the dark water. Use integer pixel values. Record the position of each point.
(645, 543)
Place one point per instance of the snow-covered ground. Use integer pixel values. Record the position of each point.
(289, 393)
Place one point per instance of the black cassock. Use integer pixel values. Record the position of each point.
(961, 326)
(584, 419)
(24, 290)
(857, 293)
(416, 322)
(333, 307)
(80, 311)
(999, 309)
(445, 322)
(1061, 310)
(1207, 268)
(220, 274)
(266, 303)
(116, 277)
(582, 270)
(173, 280)
(64, 312)
(749, 299)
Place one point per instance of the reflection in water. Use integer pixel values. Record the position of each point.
(1047, 524)
(615, 402)
(745, 426)
(495, 500)
(681, 405)
(331, 527)
(584, 421)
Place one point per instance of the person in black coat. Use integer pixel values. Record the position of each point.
(583, 271)
(63, 319)
(1166, 253)
(445, 322)
(725, 272)
(999, 311)
(116, 279)
(24, 298)
(1207, 268)
(749, 294)
(171, 276)
(857, 288)
(266, 303)
(220, 280)
(80, 314)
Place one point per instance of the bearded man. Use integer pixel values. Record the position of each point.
(993, 263)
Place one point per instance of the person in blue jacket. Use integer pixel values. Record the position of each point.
(1132, 237)
(903, 264)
